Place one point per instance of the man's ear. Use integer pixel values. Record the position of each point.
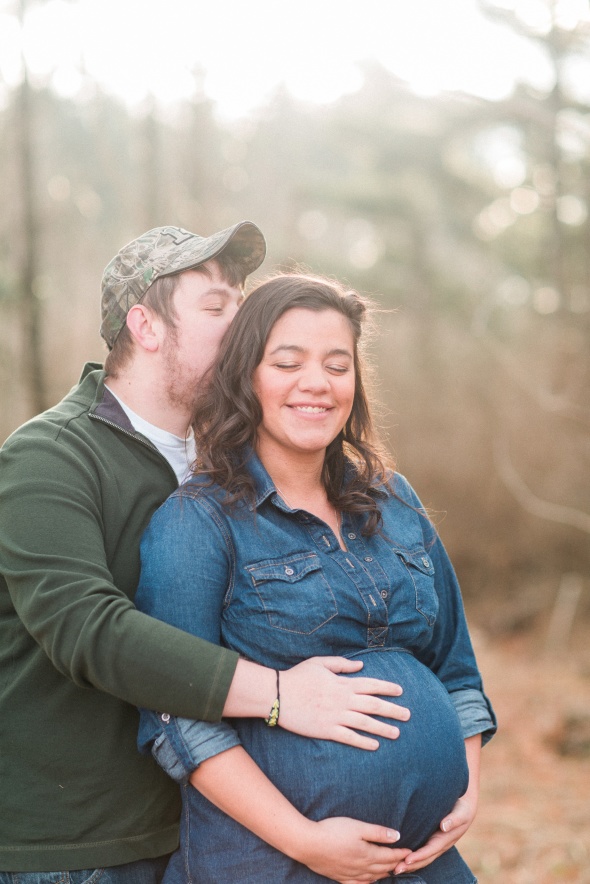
(145, 327)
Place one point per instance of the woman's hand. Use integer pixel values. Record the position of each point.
(350, 852)
(317, 702)
(456, 823)
(345, 850)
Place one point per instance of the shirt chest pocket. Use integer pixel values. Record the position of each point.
(293, 592)
(420, 569)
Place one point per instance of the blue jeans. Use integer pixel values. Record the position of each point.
(144, 871)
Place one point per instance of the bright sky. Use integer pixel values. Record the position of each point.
(136, 48)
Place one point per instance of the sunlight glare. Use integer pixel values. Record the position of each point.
(10, 50)
(569, 13)
(238, 55)
(535, 14)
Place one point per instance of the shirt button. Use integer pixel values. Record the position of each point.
(368, 558)
(289, 571)
(352, 536)
(384, 593)
(165, 717)
(425, 562)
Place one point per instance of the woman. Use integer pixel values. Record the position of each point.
(294, 539)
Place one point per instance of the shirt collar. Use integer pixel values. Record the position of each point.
(264, 486)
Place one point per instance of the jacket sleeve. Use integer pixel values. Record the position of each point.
(186, 575)
(54, 566)
(450, 652)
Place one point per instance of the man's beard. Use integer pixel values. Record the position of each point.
(182, 389)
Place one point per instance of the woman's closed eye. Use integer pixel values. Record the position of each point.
(293, 366)
(338, 369)
(287, 366)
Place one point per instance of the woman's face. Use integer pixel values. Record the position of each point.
(305, 382)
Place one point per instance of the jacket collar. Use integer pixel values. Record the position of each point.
(105, 406)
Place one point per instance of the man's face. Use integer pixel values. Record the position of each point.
(205, 304)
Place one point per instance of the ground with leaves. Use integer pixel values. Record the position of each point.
(533, 825)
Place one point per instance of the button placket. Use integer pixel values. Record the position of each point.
(369, 580)
(322, 535)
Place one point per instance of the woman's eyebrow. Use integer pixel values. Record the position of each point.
(295, 348)
(339, 351)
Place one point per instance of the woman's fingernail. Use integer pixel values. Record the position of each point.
(446, 825)
(392, 835)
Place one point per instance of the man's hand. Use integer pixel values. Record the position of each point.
(317, 702)
(456, 823)
(350, 851)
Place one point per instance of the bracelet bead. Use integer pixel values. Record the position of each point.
(273, 718)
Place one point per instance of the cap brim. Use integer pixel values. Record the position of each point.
(244, 241)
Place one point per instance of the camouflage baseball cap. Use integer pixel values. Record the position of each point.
(164, 251)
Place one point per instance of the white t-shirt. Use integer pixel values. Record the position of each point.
(180, 453)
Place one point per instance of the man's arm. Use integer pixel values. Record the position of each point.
(56, 522)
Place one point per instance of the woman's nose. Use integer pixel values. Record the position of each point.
(314, 380)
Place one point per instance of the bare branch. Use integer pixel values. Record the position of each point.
(552, 512)
(549, 402)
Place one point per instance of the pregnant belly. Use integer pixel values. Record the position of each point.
(409, 784)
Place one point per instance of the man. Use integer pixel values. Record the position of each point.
(78, 485)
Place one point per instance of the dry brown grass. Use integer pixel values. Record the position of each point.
(533, 824)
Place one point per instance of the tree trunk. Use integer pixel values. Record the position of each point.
(29, 304)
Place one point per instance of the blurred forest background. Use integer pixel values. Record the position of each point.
(468, 222)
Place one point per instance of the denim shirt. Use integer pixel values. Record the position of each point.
(274, 584)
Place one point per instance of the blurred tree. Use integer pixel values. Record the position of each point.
(30, 309)
(149, 142)
(445, 208)
(540, 231)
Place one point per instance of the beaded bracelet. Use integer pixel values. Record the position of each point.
(273, 718)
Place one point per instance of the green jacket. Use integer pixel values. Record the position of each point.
(77, 488)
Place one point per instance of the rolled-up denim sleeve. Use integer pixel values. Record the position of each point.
(449, 654)
(475, 714)
(179, 745)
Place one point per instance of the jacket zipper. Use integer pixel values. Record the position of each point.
(145, 442)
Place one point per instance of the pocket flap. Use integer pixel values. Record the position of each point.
(417, 558)
(288, 569)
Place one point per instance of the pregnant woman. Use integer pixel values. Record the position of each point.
(294, 539)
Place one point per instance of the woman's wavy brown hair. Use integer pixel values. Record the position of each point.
(228, 412)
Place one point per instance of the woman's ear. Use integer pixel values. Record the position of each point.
(145, 327)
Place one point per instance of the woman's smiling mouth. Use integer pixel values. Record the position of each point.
(311, 409)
